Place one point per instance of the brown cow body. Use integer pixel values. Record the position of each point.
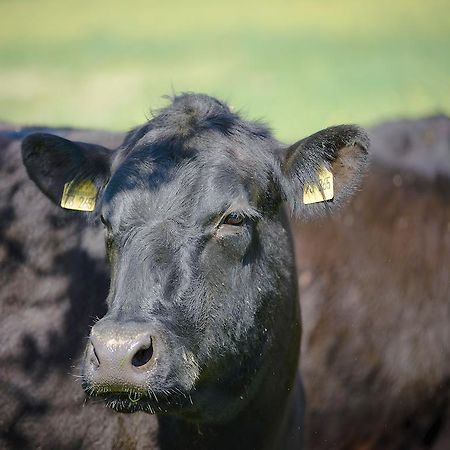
(375, 293)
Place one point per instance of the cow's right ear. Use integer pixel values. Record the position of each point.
(64, 169)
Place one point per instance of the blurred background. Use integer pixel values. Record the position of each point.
(374, 280)
(299, 65)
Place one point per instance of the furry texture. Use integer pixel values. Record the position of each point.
(374, 285)
(374, 288)
(220, 299)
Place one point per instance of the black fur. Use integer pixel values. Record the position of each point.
(222, 299)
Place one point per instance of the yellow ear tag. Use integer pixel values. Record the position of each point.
(314, 194)
(80, 196)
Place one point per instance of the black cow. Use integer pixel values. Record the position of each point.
(375, 290)
(203, 322)
(53, 281)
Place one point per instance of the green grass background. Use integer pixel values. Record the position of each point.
(299, 65)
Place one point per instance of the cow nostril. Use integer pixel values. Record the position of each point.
(95, 361)
(143, 356)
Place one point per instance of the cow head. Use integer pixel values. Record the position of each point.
(202, 301)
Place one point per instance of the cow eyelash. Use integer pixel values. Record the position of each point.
(239, 217)
(234, 219)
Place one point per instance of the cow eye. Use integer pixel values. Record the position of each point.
(234, 219)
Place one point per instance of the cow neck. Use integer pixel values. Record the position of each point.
(270, 420)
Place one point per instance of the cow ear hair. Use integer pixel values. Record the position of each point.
(338, 155)
(53, 162)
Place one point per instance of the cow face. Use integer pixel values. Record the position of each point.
(202, 299)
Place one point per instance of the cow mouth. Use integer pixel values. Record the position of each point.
(127, 400)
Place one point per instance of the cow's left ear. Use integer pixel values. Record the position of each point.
(69, 173)
(321, 171)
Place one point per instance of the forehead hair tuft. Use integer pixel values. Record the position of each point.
(191, 116)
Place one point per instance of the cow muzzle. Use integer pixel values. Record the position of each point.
(120, 357)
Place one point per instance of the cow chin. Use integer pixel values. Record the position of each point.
(130, 400)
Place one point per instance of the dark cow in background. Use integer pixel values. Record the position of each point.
(43, 307)
(375, 293)
(53, 282)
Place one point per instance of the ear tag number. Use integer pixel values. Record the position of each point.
(314, 194)
(80, 196)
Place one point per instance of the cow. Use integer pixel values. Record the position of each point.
(375, 289)
(53, 282)
(203, 322)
